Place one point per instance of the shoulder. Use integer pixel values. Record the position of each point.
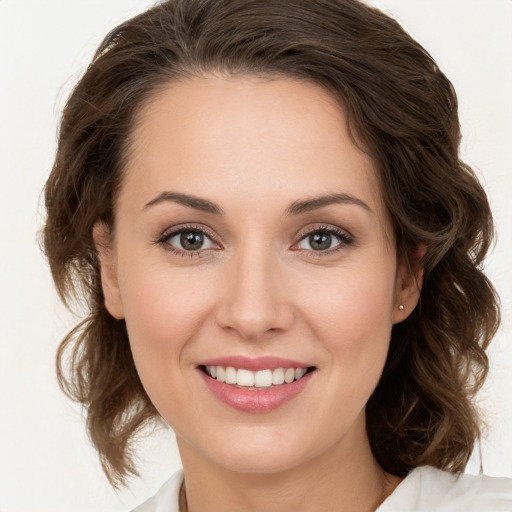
(427, 488)
(167, 497)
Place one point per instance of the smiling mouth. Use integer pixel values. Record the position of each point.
(255, 380)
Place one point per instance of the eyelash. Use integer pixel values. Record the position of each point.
(166, 236)
(343, 237)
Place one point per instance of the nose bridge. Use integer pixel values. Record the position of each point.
(254, 302)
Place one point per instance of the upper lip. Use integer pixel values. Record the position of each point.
(254, 363)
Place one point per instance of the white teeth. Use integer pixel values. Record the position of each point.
(289, 375)
(300, 372)
(278, 377)
(263, 379)
(245, 378)
(259, 379)
(230, 375)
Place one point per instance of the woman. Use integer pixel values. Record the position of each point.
(263, 204)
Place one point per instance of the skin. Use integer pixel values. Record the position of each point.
(253, 147)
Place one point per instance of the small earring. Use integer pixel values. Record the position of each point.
(401, 307)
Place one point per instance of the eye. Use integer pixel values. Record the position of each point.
(324, 240)
(190, 240)
(187, 240)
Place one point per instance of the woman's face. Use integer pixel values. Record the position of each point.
(251, 238)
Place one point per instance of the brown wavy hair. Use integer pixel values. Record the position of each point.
(400, 108)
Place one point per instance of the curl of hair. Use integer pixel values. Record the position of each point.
(400, 108)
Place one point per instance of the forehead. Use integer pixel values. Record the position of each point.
(246, 138)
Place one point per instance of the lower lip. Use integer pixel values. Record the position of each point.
(255, 400)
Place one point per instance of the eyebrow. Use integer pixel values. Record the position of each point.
(308, 205)
(195, 202)
(296, 208)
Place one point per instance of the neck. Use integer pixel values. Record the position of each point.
(346, 478)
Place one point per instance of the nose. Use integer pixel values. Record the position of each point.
(254, 301)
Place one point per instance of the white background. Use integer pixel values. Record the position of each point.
(46, 461)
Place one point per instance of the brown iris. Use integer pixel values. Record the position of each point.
(191, 240)
(320, 241)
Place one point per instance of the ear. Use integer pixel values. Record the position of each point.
(108, 270)
(409, 280)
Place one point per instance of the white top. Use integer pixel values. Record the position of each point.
(425, 489)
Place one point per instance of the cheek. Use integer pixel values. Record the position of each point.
(351, 318)
(350, 311)
(163, 310)
(351, 301)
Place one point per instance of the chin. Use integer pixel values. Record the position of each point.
(258, 463)
(264, 452)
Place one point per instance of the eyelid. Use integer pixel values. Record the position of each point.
(173, 230)
(180, 228)
(343, 236)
